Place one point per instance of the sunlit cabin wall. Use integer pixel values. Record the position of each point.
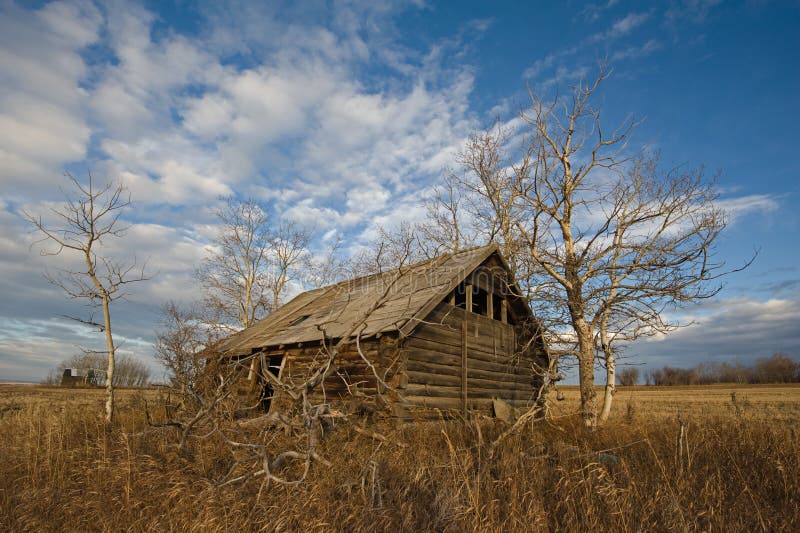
(468, 352)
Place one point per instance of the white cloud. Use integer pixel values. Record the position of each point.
(636, 52)
(593, 11)
(166, 168)
(740, 328)
(735, 208)
(301, 115)
(564, 75)
(309, 215)
(370, 198)
(42, 120)
(571, 73)
(695, 11)
(626, 24)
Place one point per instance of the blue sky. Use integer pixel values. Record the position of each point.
(344, 114)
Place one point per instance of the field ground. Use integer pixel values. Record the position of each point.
(89, 400)
(736, 468)
(778, 402)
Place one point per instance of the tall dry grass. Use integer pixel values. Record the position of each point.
(61, 469)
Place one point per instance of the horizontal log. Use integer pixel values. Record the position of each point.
(426, 378)
(453, 338)
(480, 362)
(446, 314)
(487, 342)
(416, 365)
(439, 368)
(455, 404)
(438, 391)
(437, 334)
(339, 361)
(296, 380)
(421, 347)
(415, 389)
(443, 403)
(476, 328)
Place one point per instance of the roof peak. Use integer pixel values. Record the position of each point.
(333, 309)
(440, 257)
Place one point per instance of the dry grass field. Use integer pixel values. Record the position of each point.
(779, 403)
(737, 468)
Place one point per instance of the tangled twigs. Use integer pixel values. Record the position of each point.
(206, 408)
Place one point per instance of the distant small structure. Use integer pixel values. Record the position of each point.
(82, 377)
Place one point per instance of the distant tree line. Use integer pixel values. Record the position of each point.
(128, 372)
(778, 368)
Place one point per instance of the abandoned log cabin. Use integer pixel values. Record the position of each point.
(447, 334)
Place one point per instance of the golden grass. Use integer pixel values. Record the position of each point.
(779, 402)
(62, 469)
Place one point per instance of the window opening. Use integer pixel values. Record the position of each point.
(479, 300)
(497, 307)
(461, 295)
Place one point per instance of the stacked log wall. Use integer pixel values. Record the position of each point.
(495, 368)
(352, 377)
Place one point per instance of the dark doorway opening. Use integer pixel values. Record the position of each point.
(268, 391)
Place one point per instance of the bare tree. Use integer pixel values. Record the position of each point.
(128, 371)
(629, 376)
(658, 254)
(445, 229)
(251, 264)
(234, 275)
(180, 344)
(493, 200)
(391, 249)
(608, 242)
(289, 247)
(489, 179)
(779, 368)
(131, 372)
(325, 268)
(85, 222)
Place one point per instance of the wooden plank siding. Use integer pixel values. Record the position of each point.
(436, 356)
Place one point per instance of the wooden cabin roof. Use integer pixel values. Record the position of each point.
(398, 299)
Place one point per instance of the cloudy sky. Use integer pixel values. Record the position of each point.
(342, 115)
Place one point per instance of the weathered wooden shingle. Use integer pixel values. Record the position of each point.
(403, 297)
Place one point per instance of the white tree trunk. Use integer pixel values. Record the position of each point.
(110, 372)
(611, 385)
